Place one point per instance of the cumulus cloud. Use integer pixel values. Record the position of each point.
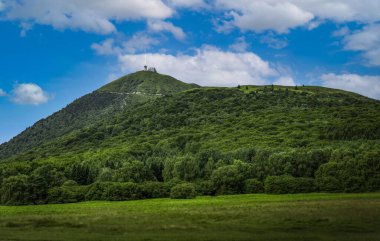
(265, 15)
(87, 15)
(138, 42)
(281, 16)
(274, 42)
(285, 81)
(29, 94)
(2, 92)
(25, 27)
(106, 47)
(208, 66)
(2, 6)
(342, 10)
(240, 45)
(344, 31)
(363, 84)
(188, 3)
(160, 26)
(366, 41)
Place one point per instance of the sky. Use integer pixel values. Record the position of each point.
(55, 51)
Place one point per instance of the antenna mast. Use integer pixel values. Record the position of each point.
(145, 66)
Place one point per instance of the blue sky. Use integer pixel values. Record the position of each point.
(52, 52)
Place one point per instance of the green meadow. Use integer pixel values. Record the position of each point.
(233, 217)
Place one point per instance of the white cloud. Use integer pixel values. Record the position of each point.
(285, 81)
(138, 42)
(265, 15)
(29, 94)
(240, 45)
(2, 6)
(363, 84)
(87, 15)
(274, 42)
(25, 27)
(314, 24)
(2, 92)
(342, 10)
(188, 3)
(160, 26)
(209, 66)
(344, 31)
(366, 41)
(106, 47)
(281, 16)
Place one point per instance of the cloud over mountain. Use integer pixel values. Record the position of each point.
(208, 66)
(363, 84)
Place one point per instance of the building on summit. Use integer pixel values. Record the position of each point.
(150, 69)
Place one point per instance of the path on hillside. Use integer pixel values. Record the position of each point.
(133, 93)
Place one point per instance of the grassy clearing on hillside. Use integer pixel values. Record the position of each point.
(240, 217)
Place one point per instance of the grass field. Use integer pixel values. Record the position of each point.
(241, 217)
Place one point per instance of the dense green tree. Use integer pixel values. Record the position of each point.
(133, 171)
(186, 168)
(229, 179)
(106, 175)
(41, 179)
(82, 172)
(15, 190)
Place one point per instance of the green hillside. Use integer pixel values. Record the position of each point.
(145, 133)
(122, 94)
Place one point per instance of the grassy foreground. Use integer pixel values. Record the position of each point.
(240, 217)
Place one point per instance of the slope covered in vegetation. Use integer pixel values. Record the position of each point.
(218, 140)
(124, 93)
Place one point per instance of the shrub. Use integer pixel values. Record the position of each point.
(228, 179)
(66, 194)
(205, 187)
(253, 186)
(121, 191)
(106, 175)
(183, 191)
(95, 191)
(70, 183)
(329, 184)
(154, 190)
(288, 184)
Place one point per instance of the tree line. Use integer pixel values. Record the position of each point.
(152, 173)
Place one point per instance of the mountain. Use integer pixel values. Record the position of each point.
(124, 93)
(148, 127)
(147, 105)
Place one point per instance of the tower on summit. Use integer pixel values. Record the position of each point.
(145, 66)
(150, 69)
